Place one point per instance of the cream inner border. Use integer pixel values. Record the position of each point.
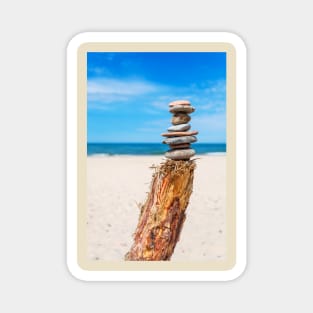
(229, 261)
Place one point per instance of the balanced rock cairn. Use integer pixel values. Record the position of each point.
(179, 136)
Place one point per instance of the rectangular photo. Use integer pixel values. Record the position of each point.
(128, 111)
(156, 159)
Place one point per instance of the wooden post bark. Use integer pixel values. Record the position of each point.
(163, 214)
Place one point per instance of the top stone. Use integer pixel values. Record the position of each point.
(179, 102)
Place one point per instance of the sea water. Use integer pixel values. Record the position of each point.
(111, 149)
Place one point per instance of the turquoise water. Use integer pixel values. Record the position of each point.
(148, 148)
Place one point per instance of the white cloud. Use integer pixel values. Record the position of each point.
(99, 71)
(215, 120)
(103, 92)
(104, 87)
(211, 127)
(207, 98)
(219, 87)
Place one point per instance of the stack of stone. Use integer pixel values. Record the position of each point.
(179, 136)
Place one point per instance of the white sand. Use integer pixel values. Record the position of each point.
(117, 184)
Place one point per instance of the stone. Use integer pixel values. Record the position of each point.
(179, 128)
(183, 154)
(179, 140)
(182, 108)
(178, 134)
(178, 102)
(180, 146)
(180, 118)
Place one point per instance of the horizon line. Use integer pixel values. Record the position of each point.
(134, 142)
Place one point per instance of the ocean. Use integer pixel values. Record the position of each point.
(110, 149)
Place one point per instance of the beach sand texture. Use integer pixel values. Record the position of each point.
(117, 185)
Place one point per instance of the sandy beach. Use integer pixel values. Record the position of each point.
(117, 185)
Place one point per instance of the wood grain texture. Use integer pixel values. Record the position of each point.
(163, 214)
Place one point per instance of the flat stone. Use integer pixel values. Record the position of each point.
(179, 128)
(178, 134)
(180, 118)
(183, 154)
(178, 102)
(180, 146)
(179, 140)
(182, 108)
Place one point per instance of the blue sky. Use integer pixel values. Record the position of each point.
(129, 92)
